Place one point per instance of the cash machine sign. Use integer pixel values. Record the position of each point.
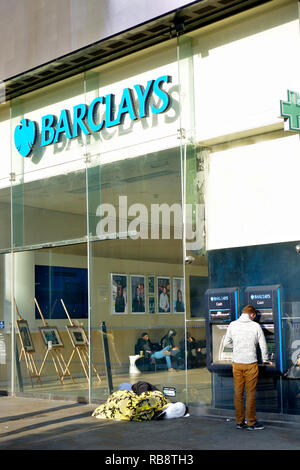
(219, 301)
(219, 307)
(261, 300)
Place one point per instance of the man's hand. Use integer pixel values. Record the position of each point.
(267, 363)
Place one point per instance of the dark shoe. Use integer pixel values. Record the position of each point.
(255, 427)
(242, 425)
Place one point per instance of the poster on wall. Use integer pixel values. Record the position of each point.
(137, 289)
(151, 304)
(119, 293)
(178, 295)
(163, 294)
(151, 284)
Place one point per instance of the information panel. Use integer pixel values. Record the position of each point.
(222, 305)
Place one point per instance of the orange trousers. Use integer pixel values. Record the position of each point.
(245, 376)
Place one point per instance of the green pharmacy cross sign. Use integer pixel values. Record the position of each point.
(291, 109)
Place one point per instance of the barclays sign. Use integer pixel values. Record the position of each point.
(134, 103)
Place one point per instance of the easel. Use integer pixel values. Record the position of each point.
(28, 355)
(56, 354)
(82, 350)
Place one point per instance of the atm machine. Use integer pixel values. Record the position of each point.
(267, 301)
(222, 307)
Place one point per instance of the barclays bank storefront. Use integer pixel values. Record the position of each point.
(156, 192)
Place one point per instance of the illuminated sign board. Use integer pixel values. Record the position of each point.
(84, 119)
(290, 110)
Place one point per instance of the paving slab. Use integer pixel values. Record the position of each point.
(40, 424)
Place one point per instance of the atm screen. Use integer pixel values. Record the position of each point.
(265, 315)
(220, 315)
(221, 354)
(270, 340)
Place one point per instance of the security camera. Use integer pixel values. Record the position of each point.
(189, 259)
(297, 248)
(179, 27)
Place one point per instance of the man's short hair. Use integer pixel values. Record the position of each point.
(249, 309)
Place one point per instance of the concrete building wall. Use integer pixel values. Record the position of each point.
(34, 32)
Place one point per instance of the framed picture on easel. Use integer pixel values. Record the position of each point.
(51, 335)
(25, 336)
(77, 335)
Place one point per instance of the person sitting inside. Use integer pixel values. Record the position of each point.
(145, 348)
(169, 350)
(193, 351)
(152, 351)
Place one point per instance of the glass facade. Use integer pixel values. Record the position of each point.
(94, 255)
(163, 178)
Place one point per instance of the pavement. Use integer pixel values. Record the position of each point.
(41, 424)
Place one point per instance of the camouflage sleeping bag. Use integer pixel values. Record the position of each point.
(128, 406)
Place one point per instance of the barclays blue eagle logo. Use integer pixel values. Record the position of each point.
(25, 135)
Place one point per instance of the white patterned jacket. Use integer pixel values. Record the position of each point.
(244, 335)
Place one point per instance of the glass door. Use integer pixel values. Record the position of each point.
(194, 170)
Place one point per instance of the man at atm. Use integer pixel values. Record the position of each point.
(243, 336)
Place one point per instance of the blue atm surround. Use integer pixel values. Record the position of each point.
(267, 300)
(222, 307)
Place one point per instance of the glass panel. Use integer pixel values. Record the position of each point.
(5, 323)
(133, 102)
(196, 266)
(136, 271)
(49, 208)
(5, 127)
(48, 164)
(45, 127)
(5, 210)
(135, 222)
(51, 319)
(234, 160)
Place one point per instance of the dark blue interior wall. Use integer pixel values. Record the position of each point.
(53, 283)
(277, 263)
